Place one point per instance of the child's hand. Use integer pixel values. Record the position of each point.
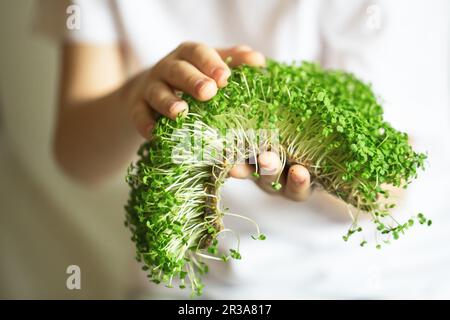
(192, 68)
(296, 180)
(199, 70)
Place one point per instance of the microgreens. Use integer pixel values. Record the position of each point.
(328, 121)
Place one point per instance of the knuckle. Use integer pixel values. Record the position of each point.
(160, 67)
(182, 46)
(174, 68)
(151, 94)
(187, 47)
(197, 49)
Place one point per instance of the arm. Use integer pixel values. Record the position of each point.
(93, 137)
(103, 117)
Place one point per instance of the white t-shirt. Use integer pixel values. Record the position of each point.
(402, 47)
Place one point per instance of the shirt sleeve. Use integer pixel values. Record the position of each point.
(81, 21)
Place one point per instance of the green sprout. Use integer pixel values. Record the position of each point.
(326, 120)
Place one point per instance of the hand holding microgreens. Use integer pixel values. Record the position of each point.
(327, 120)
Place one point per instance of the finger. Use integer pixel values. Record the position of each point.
(251, 58)
(162, 99)
(207, 60)
(234, 49)
(241, 171)
(184, 76)
(269, 170)
(298, 183)
(226, 53)
(143, 119)
(242, 55)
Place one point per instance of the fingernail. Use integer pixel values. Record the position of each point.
(177, 107)
(221, 75)
(242, 48)
(259, 59)
(268, 172)
(205, 87)
(268, 169)
(268, 164)
(297, 180)
(200, 84)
